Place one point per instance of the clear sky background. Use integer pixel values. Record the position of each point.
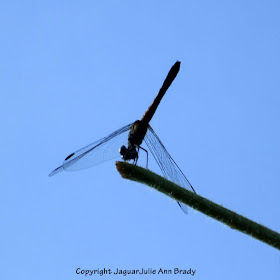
(72, 72)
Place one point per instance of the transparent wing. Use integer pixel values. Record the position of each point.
(168, 166)
(97, 152)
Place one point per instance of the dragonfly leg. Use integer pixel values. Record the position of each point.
(135, 160)
(136, 157)
(147, 156)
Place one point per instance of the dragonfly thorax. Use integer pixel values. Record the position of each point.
(137, 133)
(135, 137)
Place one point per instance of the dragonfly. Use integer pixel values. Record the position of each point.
(134, 134)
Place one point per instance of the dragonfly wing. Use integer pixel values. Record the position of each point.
(97, 152)
(168, 166)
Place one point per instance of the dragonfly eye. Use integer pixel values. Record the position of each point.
(128, 153)
(123, 150)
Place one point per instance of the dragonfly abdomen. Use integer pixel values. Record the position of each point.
(166, 84)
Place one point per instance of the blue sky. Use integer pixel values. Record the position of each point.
(75, 71)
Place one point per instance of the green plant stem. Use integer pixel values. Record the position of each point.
(226, 216)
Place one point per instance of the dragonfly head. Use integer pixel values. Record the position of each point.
(128, 153)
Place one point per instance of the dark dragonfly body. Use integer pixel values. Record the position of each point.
(109, 147)
(139, 128)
